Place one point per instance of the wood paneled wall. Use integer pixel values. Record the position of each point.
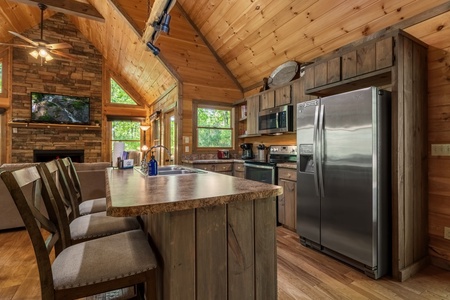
(439, 166)
(197, 92)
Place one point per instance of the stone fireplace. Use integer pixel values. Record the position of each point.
(82, 77)
(48, 155)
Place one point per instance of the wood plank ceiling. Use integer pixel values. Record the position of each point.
(229, 44)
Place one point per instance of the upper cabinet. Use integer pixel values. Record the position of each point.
(275, 97)
(252, 115)
(291, 93)
(365, 62)
(283, 95)
(267, 100)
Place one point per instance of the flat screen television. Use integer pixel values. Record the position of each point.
(62, 109)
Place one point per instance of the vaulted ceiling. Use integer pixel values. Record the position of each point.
(231, 44)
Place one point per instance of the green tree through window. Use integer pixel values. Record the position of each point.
(127, 132)
(124, 131)
(214, 127)
(119, 96)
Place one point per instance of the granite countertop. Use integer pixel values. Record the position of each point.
(289, 165)
(129, 193)
(211, 161)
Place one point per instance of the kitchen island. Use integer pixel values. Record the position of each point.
(214, 234)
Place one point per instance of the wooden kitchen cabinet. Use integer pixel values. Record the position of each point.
(224, 168)
(267, 100)
(252, 114)
(357, 63)
(238, 170)
(287, 203)
(283, 95)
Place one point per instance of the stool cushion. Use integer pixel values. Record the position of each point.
(100, 260)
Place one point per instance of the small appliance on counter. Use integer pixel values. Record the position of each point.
(262, 153)
(247, 152)
(223, 154)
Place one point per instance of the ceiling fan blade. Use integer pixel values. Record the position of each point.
(18, 45)
(66, 55)
(24, 38)
(58, 46)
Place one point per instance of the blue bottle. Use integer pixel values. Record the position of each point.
(153, 166)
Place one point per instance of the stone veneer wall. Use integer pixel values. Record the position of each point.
(80, 78)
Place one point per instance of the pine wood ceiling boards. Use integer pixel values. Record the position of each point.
(228, 44)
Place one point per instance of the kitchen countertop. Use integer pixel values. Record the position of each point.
(211, 161)
(129, 193)
(289, 165)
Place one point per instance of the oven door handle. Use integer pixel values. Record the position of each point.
(259, 166)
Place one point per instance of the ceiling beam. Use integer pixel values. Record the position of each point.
(69, 7)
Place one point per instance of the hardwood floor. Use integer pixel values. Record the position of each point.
(302, 274)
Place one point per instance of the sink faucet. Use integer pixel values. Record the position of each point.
(144, 157)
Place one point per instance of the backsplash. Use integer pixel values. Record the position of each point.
(208, 156)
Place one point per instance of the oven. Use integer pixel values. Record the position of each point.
(260, 171)
(267, 171)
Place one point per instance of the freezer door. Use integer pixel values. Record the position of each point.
(347, 207)
(308, 200)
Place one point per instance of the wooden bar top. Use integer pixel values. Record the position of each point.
(129, 193)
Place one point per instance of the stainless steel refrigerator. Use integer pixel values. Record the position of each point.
(343, 185)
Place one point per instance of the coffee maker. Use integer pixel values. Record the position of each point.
(247, 152)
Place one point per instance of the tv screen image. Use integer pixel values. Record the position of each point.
(52, 108)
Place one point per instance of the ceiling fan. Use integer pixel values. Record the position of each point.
(41, 48)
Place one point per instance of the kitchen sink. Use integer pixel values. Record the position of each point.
(173, 170)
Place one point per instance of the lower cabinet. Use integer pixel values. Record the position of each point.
(287, 203)
(224, 168)
(238, 170)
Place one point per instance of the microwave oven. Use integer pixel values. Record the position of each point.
(276, 120)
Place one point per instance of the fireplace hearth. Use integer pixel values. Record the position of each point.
(48, 155)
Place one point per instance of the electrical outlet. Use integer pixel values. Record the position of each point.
(186, 149)
(14, 130)
(440, 149)
(447, 233)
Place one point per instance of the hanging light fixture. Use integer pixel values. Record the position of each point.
(155, 50)
(144, 127)
(164, 27)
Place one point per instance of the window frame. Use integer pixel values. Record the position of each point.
(112, 140)
(196, 104)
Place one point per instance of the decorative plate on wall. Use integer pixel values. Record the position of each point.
(283, 73)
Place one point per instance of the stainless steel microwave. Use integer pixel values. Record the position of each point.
(276, 120)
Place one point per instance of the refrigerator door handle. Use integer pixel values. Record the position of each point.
(316, 179)
(320, 140)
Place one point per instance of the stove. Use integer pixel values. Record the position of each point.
(267, 171)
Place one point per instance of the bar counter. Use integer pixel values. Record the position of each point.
(214, 234)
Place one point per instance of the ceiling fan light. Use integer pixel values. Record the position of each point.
(48, 58)
(35, 54)
(43, 52)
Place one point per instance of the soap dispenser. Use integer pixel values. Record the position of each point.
(153, 166)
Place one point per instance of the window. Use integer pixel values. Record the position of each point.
(123, 130)
(214, 126)
(119, 96)
(127, 132)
